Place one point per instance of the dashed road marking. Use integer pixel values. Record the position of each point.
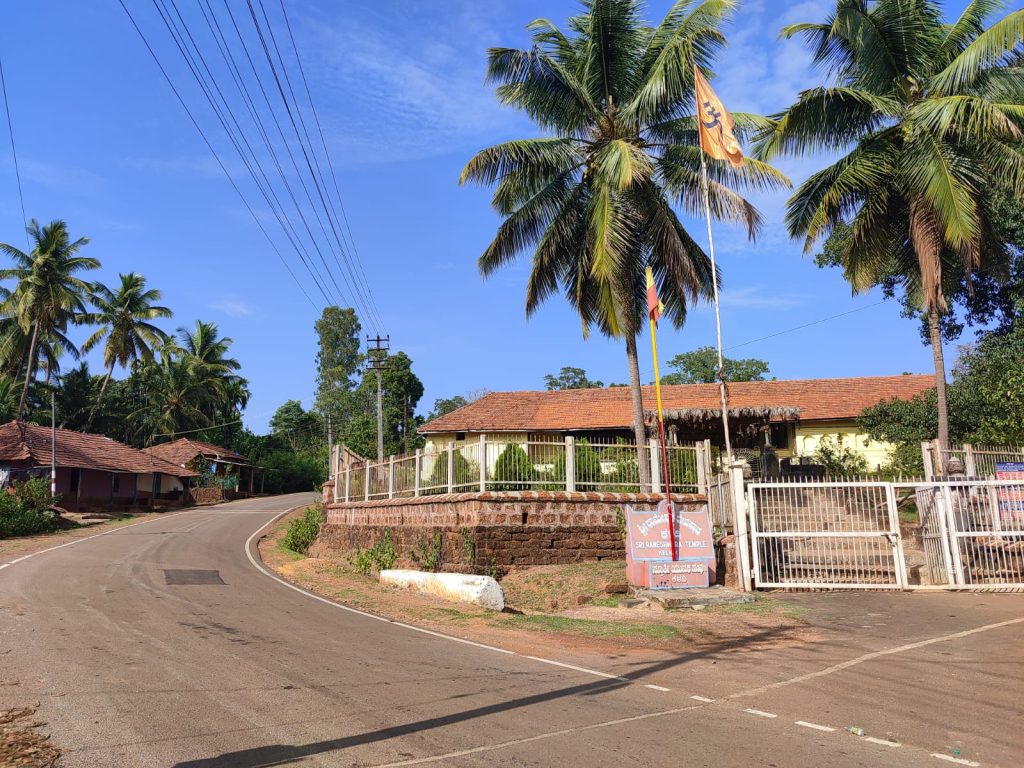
(657, 687)
(883, 742)
(705, 699)
(957, 760)
(815, 726)
(760, 713)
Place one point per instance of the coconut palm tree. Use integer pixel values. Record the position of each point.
(49, 295)
(928, 115)
(593, 199)
(123, 316)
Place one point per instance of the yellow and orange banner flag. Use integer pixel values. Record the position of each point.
(715, 125)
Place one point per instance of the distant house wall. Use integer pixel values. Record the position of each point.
(810, 434)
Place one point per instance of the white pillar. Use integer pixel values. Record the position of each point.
(742, 530)
(366, 485)
(391, 476)
(969, 465)
(483, 463)
(417, 463)
(926, 459)
(655, 466)
(451, 467)
(348, 481)
(570, 463)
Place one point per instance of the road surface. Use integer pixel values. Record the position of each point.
(164, 644)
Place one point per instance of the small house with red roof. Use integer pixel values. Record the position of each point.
(791, 416)
(93, 471)
(215, 462)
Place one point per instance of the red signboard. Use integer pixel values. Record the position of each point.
(649, 551)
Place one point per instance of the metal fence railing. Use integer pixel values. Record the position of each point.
(535, 464)
(971, 460)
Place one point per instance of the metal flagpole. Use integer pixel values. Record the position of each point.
(723, 392)
(666, 475)
(53, 444)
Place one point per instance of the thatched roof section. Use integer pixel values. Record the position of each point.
(698, 416)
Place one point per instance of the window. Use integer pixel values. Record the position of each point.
(76, 479)
(116, 483)
(460, 435)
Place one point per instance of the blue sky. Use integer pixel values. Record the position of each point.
(399, 87)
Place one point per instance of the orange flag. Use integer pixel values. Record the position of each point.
(715, 125)
(654, 306)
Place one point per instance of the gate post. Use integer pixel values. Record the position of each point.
(655, 467)
(702, 469)
(742, 532)
(953, 540)
(926, 459)
(896, 538)
(969, 466)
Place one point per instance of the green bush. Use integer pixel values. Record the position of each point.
(837, 458)
(288, 472)
(438, 481)
(429, 554)
(35, 493)
(20, 518)
(587, 464)
(302, 531)
(381, 556)
(513, 470)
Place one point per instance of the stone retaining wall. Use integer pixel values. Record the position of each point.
(490, 530)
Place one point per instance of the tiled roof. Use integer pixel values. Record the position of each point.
(183, 450)
(581, 409)
(21, 442)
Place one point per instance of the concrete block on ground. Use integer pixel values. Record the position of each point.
(459, 587)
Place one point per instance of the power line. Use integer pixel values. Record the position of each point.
(807, 325)
(327, 155)
(213, 151)
(200, 429)
(14, 152)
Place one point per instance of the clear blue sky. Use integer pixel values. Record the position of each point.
(399, 86)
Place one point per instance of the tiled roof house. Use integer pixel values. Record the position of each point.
(92, 470)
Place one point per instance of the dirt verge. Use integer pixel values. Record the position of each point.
(550, 608)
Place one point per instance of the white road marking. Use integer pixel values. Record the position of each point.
(578, 669)
(815, 726)
(883, 742)
(759, 713)
(657, 687)
(705, 699)
(95, 536)
(528, 739)
(874, 655)
(957, 760)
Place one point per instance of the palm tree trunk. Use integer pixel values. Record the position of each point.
(31, 370)
(935, 337)
(639, 430)
(99, 397)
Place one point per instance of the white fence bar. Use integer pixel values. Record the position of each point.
(742, 533)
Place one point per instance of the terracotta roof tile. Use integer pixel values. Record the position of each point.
(21, 442)
(582, 409)
(183, 450)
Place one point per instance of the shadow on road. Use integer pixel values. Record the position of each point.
(282, 754)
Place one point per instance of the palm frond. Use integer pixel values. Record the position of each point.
(991, 48)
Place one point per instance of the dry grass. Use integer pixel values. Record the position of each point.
(21, 743)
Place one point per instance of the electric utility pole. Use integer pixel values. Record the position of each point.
(376, 353)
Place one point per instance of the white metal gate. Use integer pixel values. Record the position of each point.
(825, 535)
(973, 532)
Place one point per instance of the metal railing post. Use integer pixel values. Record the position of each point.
(391, 476)
(570, 463)
(483, 463)
(417, 463)
(451, 467)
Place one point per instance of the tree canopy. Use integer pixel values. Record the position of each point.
(570, 378)
(701, 367)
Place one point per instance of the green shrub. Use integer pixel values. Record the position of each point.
(381, 556)
(18, 518)
(837, 458)
(587, 463)
(438, 481)
(429, 554)
(302, 531)
(362, 561)
(513, 470)
(288, 472)
(468, 545)
(35, 493)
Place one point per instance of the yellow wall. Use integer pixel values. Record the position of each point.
(808, 435)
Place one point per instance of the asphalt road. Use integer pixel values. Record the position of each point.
(163, 644)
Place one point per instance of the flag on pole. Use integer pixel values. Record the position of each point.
(715, 125)
(654, 306)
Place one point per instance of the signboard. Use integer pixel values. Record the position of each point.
(1011, 500)
(649, 551)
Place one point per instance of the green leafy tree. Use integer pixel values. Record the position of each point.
(927, 115)
(49, 295)
(337, 363)
(445, 405)
(701, 367)
(570, 378)
(988, 381)
(401, 392)
(593, 198)
(298, 427)
(125, 330)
